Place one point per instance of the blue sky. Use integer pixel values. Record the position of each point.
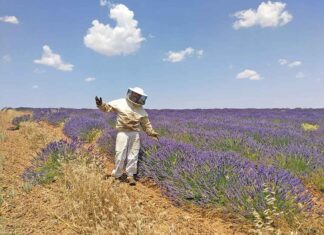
(184, 54)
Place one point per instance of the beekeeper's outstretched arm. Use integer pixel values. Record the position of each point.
(147, 127)
(102, 105)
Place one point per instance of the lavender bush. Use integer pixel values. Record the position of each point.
(107, 141)
(222, 178)
(17, 120)
(84, 128)
(45, 167)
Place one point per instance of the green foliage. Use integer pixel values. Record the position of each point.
(293, 164)
(227, 144)
(277, 121)
(278, 141)
(3, 137)
(47, 166)
(187, 138)
(50, 171)
(162, 131)
(251, 155)
(195, 183)
(170, 164)
(112, 123)
(90, 136)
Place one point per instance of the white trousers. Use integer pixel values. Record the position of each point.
(127, 149)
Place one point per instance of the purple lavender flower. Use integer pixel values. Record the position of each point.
(83, 127)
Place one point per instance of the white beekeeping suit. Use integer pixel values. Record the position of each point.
(131, 117)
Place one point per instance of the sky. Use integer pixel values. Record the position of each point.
(184, 54)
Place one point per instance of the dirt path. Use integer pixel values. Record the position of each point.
(27, 210)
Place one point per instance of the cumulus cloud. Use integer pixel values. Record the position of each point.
(249, 74)
(6, 58)
(105, 3)
(123, 39)
(178, 56)
(9, 19)
(289, 64)
(283, 61)
(300, 75)
(268, 14)
(294, 64)
(53, 60)
(89, 79)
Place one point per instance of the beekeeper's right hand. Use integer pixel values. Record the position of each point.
(155, 136)
(98, 101)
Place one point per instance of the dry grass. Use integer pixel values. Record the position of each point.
(103, 207)
(6, 117)
(2, 160)
(22, 213)
(272, 221)
(36, 134)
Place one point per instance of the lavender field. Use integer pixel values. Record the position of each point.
(259, 163)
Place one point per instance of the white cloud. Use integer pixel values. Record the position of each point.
(105, 3)
(53, 60)
(290, 64)
(35, 86)
(125, 38)
(294, 64)
(249, 74)
(6, 58)
(9, 19)
(89, 79)
(283, 61)
(300, 75)
(200, 53)
(268, 14)
(178, 56)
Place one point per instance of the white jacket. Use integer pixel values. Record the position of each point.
(130, 117)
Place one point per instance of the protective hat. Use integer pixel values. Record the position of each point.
(136, 95)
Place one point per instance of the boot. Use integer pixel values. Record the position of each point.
(131, 180)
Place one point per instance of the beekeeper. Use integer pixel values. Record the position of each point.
(131, 117)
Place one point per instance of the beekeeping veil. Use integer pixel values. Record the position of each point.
(136, 96)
